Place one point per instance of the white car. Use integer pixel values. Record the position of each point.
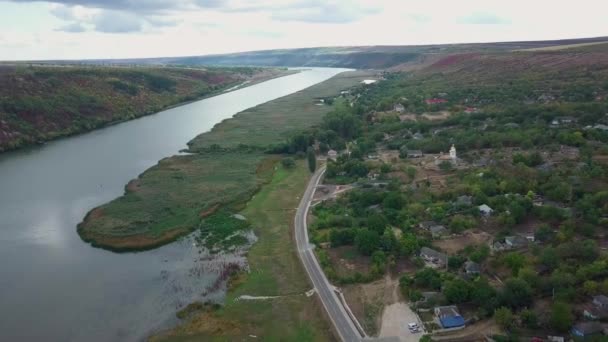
(413, 327)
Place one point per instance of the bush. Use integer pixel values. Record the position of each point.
(288, 162)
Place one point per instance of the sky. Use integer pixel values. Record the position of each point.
(84, 29)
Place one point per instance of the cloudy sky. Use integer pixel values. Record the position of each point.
(75, 29)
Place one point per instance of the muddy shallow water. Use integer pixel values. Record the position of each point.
(55, 287)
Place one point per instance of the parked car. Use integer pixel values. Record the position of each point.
(413, 327)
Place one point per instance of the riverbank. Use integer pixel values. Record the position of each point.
(226, 167)
(285, 312)
(48, 103)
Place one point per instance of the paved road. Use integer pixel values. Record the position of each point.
(334, 308)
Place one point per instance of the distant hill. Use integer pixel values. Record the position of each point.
(38, 104)
(359, 57)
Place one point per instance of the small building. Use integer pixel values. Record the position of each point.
(430, 295)
(485, 210)
(435, 101)
(567, 120)
(451, 157)
(515, 241)
(434, 228)
(471, 268)
(470, 110)
(426, 225)
(498, 246)
(438, 231)
(601, 127)
(600, 301)
(464, 200)
(332, 154)
(399, 108)
(434, 257)
(593, 312)
(418, 136)
(449, 317)
(414, 154)
(587, 329)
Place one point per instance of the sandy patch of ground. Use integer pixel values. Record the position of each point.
(328, 191)
(388, 156)
(456, 244)
(436, 116)
(394, 323)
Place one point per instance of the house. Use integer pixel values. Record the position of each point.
(430, 295)
(426, 225)
(601, 127)
(471, 268)
(515, 241)
(449, 317)
(399, 108)
(470, 110)
(485, 210)
(331, 154)
(498, 246)
(593, 312)
(434, 228)
(418, 136)
(600, 301)
(434, 257)
(586, 329)
(566, 120)
(414, 154)
(464, 200)
(438, 230)
(435, 101)
(545, 167)
(537, 201)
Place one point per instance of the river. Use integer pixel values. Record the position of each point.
(55, 287)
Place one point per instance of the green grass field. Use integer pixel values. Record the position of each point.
(275, 271)
(172, 197)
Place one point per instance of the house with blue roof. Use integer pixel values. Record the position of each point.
(449, 317)
(587, 329)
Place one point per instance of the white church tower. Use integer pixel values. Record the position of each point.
(453, 153)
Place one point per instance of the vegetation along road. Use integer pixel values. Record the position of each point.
(340, 319)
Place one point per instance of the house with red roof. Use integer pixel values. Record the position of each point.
(435, 101)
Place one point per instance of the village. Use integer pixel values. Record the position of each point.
(471, 233)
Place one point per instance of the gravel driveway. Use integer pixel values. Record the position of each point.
(394, 323)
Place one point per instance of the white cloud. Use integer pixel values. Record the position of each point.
(140, 28)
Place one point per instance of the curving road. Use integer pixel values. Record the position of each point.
(338, 315)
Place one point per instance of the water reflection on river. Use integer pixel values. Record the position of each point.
(53, 286)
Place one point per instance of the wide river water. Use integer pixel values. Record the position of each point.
(55, 287)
